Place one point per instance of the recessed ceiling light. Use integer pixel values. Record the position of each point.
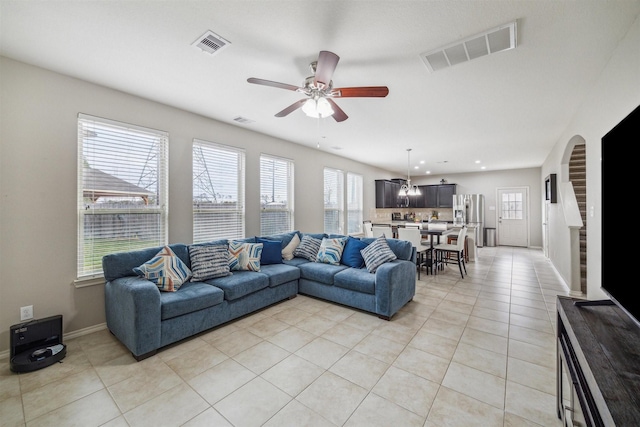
(427, 172)
(477, 161)
(483, 167)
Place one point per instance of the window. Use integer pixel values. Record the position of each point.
(276, 195)
(512, 206)
(354, 203)
(122, 190)
(333, 201)
(218, 192)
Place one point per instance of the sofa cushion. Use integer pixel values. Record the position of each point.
(320, 272)
(244, 256)
(287, 251)
(308, 248)
(279, 274)
(351, 255)
(271, 251)
(191, 297)
(377, 253)
(356, 279)
(165, 269)
(295, 261)
(209, 261)
(240, 284)
(330, 251)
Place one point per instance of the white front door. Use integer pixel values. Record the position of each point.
(513, 216)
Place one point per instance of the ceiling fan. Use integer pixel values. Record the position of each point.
(320, 91)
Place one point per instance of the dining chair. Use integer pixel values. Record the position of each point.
(382, 229)
(368, 229)
(413, 235)
(448, 253)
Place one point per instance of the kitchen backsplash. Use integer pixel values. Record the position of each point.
(444, 214)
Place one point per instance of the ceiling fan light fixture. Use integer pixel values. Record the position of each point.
(317, 108)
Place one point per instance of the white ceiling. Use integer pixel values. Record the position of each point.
(507, 109)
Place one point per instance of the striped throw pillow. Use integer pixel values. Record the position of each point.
(244, 256)
(330, 251)
(308, 248)
(165, 269)
(377, 253)
(209, 262)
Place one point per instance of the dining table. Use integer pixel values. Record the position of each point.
(434, 232)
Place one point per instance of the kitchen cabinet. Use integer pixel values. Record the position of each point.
(439, 196)
(420, 201)
(387, 194)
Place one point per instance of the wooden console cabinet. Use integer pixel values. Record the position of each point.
(598, 366)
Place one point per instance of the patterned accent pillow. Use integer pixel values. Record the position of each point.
(209, 262)
(244, 256)
(166, 270)
(308, 248)
(377, 253)
(287, 252)
(330, 251)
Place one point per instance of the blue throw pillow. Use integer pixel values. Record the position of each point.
(271, 251)
(351, 255)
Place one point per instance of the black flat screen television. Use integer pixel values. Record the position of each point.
(618, 210)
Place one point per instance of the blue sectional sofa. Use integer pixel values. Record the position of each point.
(146, 319)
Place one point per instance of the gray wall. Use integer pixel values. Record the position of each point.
(614, 95)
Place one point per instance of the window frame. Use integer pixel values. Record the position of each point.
(231, 222)
(104, 185)
(288, 188)
(333, 200)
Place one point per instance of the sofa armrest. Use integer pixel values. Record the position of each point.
(395, 286)
(132, 306)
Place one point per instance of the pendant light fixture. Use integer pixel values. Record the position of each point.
(408, 189)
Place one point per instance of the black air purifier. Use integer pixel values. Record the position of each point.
(36, 344)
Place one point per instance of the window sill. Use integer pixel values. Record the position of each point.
(88, 281)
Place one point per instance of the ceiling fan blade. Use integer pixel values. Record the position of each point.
(272, 84)
(291, 108)
(360, 92)
(338, 114)
(326, 65)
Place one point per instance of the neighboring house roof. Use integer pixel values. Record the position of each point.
(101, 184)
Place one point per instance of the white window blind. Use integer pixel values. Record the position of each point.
(122, 190)
(276, 195)
(218, 192)
(354, 203)
(333, 201)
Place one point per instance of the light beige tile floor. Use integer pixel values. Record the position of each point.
(478, 351)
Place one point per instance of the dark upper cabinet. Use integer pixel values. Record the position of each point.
(440, 196)
(421, 200)
(445, 195)
(387, 194)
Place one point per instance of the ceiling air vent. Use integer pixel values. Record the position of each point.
(211, 43)
(243, 120)
(491, 41)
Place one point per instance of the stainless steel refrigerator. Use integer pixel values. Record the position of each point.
(468, 209)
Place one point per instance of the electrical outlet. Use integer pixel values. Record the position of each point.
(26, 312)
